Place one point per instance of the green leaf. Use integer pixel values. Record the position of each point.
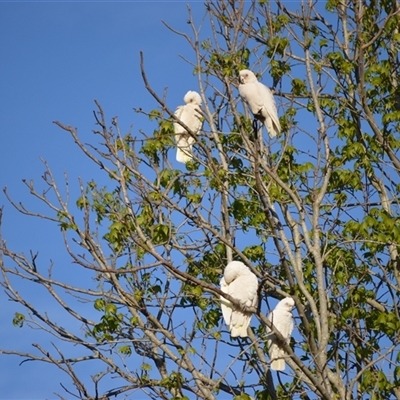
(126, 350)
(111, 309)
(99, 304)
(243, 396)
(161, 233)
(18, 320)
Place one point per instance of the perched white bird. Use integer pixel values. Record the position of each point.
(240, 283)
(282, 319)
(260, 100)
(189, 115)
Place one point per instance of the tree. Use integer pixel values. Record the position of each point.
(313, 213)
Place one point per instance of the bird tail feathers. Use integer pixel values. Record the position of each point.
(239, 331)
(184, 155)
(239, 324)
(272, 129)
(278, 365)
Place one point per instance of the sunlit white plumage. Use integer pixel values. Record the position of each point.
(260, 100)
(240, 283)
(189, 115)
(282, 319)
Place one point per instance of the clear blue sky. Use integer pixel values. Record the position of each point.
(55, 58)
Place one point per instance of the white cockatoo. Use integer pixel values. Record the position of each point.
(240, 283)
(282, 319)
(190, 116)
(260, 100)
